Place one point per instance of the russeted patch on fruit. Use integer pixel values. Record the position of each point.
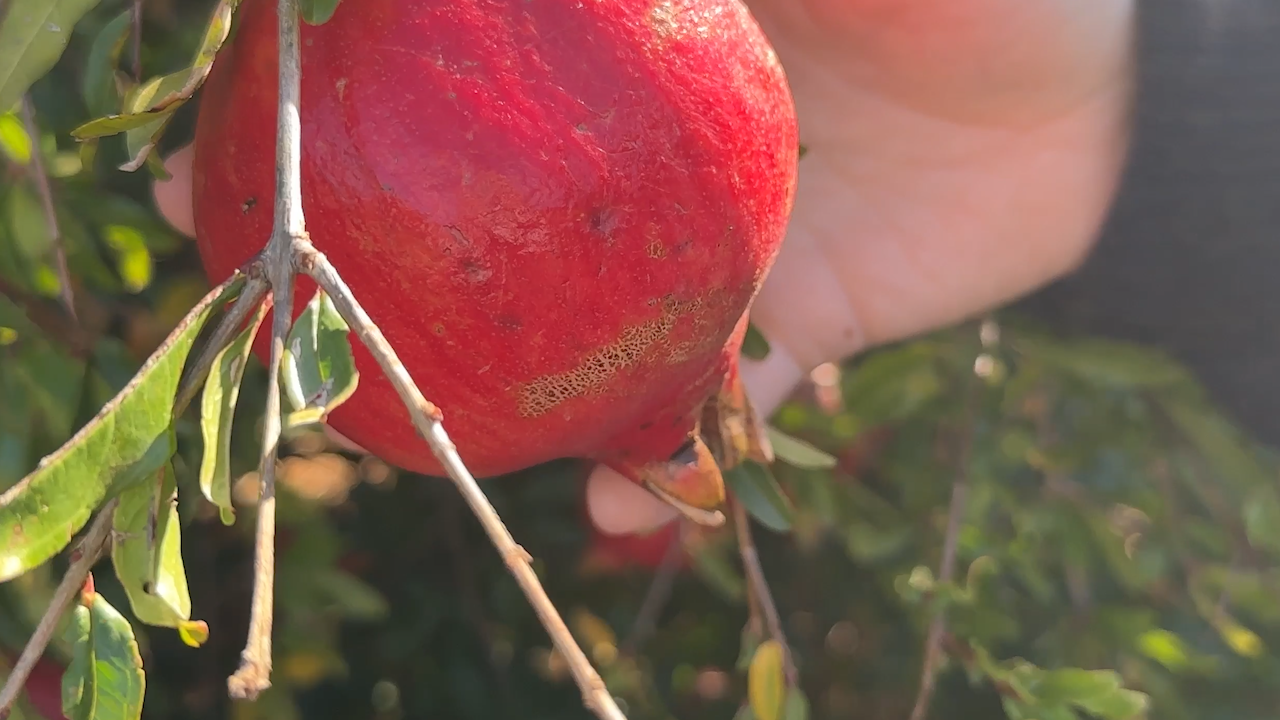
(557, 211)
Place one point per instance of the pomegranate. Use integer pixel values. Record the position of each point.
(558, 212)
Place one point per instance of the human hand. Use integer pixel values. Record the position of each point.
(960, 153)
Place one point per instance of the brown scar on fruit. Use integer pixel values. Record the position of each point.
(542, 394)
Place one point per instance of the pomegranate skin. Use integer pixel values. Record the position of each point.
(557, 212)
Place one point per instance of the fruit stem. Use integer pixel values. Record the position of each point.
(279, 261)
(85, 556)
(428, 420)
(762, 599)
(288, 252)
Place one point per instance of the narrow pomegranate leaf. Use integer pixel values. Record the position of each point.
(217, 410)
(98, 85)
(798, 453)
(79, 679)
(319, 371)
(127, 440)
(755, 487)
(796, 706)
(766, 688)
(104, 678)
(150, 107)
(148, 554)
(318, 12)
(33, 35)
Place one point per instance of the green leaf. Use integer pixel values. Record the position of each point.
(1122, 704)
(797, 705)
(78, 686)
(1262, 519)
(1075, 685)
(33, 35)
(14, 140)
(766, 687)
(217, 410)
(797, 452)
(148, 557)
(104, 678)
(355, 598)
(30, 231)
(755, 487)
(1104, 362)
(318, 12)
(754, 345)
(98, 85)
(750, 642)
(318, 372)
(40, 514)
(892, 383)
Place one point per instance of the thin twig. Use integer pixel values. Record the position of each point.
(90, 551)
(288, 236)
(46, 202)
(659, 592)
(947, 565)
(255, 289)
(288, 251)
(137, 41)
(427, 418)
(759, 589)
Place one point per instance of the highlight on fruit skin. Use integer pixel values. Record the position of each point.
(557, 212)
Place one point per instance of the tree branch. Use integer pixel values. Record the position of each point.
(46, 202)
(947, 565)
(428, 420)
(90, 551)
(759, 590)
(288, 240)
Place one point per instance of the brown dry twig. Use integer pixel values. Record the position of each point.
(761, 599)
(289, 251)
(45, 190)
(90, 550)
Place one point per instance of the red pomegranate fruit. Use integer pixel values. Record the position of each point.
(558, 212)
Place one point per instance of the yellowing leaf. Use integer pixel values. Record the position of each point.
(766, 687)
(14, 141)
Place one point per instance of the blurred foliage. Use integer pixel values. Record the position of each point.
(1117, 534)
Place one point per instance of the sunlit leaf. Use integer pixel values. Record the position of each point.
(14, 141)
(1075, 685)
(33, 35)
(39, 515)
(766, 686)
(217, 410)
(104, 680)
(27, 224)
(797, 452)
(319, 371)
(755, 487)
(1122, 704)
(148, 555)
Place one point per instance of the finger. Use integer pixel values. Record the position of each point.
(173, 197)
(617, 506)
(967, 60)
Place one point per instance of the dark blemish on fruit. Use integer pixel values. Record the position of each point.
(604, 221)
(438, 328)
(247, 205)
(683, 245)
(385, 187)
(581, 127)
(475, 271)
(646, 425)
(510, 321)
(461, 239)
